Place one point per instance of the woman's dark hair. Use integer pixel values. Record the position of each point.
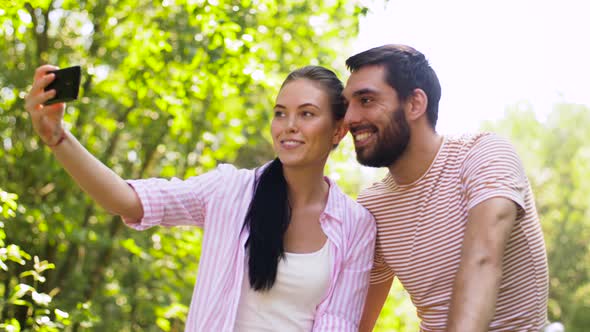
(269, 213)
(406, 69)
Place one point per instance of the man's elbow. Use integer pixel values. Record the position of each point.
(487, 263)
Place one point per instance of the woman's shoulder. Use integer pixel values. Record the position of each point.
(347, 209)
(357, 224)
(230, 177)
(234, 171)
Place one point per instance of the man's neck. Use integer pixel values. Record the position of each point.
(418, 157)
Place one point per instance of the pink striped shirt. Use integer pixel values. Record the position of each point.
(218, 201)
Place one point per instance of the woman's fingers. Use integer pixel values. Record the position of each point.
(35, 102)
(42, 79)
(42, 70)
(53, 109)
(37, 95)
(40, 83)
(46, 119)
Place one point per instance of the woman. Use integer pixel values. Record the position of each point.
(283, 248)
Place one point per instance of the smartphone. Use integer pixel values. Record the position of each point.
(66, 85)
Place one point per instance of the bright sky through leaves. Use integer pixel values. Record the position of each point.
(491, 54)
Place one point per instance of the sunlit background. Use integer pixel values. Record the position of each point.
(172, 88)
(490, 57)
(490, 54)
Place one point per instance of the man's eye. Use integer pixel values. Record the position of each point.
(366, 100)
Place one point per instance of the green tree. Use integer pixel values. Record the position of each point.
(556, 156)
(169, 88)
(20, 299)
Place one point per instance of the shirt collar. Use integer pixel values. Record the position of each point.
(334, 205)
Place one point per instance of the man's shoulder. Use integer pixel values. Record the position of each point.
(471, 147)
(468, 141)
(480, 138)
(374, 191)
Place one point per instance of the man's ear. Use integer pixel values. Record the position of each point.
(416, 105)
(339, 133)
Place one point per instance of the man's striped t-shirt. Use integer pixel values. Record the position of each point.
(421, 228)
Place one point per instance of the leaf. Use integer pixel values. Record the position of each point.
(19, 291)
(41, 298)
(163, 324)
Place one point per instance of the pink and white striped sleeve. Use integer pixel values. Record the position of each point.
(174, 202)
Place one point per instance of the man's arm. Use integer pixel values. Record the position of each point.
(375, 299)
(478, 279)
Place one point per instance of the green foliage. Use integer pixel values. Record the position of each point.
(398, 314)
(23, 307)
(556, 156)
(169, 88)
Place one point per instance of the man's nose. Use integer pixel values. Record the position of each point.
(352, 115)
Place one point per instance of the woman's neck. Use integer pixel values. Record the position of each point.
(306, 185)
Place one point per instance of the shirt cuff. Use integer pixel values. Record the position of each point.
(153, 209)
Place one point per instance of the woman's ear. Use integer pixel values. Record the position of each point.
(339, 133)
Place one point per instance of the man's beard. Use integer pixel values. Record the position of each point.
(391, 143)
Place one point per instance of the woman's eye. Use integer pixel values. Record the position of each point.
(307, 113)
(279, 114)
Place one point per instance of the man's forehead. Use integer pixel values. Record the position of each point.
(365, 78)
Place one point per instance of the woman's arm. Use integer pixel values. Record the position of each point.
(101, 183)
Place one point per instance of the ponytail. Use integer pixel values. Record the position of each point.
(267, 220)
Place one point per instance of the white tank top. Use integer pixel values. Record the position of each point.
(290, 305)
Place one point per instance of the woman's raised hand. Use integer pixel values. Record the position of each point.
(47, 119)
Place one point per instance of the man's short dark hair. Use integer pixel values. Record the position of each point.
(406, 70)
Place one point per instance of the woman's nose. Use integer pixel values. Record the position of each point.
(292, 124)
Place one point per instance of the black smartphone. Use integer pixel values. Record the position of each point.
(66, 85)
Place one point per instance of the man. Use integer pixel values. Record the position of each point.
(457, 223)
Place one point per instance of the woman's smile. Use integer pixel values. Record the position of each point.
(291, 143)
